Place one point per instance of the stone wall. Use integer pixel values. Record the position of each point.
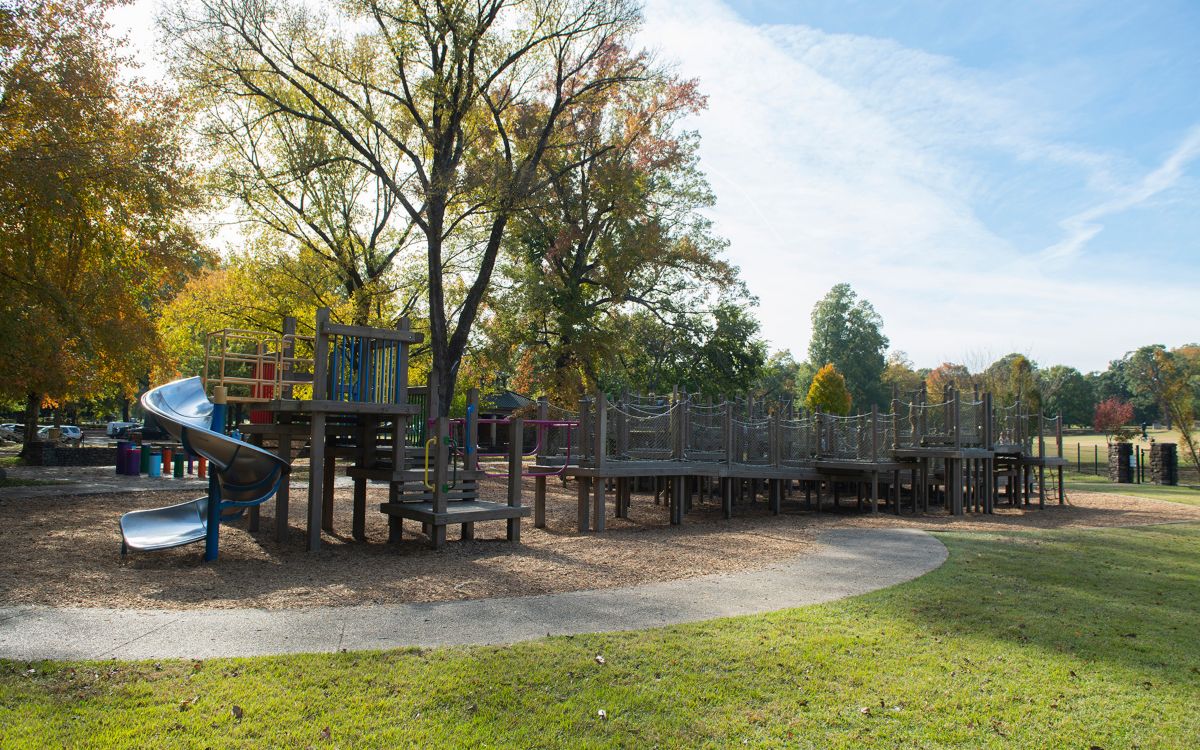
(49, 454)
(1164, 463)
(1118, 463)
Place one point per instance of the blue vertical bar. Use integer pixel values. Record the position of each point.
(213, 531)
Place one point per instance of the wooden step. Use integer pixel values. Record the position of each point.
(385, 474)
(457, 512)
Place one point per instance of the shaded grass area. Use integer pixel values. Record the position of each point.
(1031, 639)
(1088, 483)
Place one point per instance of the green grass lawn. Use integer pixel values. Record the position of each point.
(1089, 483)
(1024, 639)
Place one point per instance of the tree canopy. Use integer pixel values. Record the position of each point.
(94, 196)
(455, 125)
(847, 332)
(828, 392)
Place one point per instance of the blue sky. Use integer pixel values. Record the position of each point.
(993, 177)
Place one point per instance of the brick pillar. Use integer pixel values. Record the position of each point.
(1164, 463)
(1118, 463)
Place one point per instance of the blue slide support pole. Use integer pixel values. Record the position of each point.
(213, 531)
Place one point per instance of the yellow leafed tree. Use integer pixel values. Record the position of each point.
(828, 392)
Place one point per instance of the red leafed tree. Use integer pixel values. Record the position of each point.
(1112, 417)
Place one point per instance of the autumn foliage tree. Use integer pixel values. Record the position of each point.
(93, 191)
(828, 392)
(1113, 417)
(618, 231)
(848, 332)
(450, 107)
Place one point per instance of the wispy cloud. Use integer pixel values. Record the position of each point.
(836, 156)
(1085, 225)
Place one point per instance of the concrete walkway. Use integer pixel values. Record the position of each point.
(847, 562)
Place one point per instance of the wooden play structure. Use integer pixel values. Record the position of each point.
(963, 453)
(343, 394)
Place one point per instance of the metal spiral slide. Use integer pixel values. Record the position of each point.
(243, 475)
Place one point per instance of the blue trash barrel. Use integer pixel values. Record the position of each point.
(155, 468)
(133, 460)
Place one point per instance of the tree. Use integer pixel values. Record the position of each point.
(1151, 374)
(94, 190)
(783, 380)
(468, 97)
(1113, 417)
(1167, 377)
(619, 230)
(828, 392)
(1114, 382)
(1067, 392)
(899, 375)
(947, 374)
(847, 332)
(720, 354)
(1013, 378)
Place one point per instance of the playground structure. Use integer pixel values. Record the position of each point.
(342, 394)
(957, 451)
(242, 475)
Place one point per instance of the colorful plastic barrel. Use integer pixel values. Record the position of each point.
(122, 455)
(179, 466)
(133, 460)
(144, 466)
(155, 463)
(166, 459)
(203, 470)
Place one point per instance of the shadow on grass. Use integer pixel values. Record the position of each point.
(1129, 597)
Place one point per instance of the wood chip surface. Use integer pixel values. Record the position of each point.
(65, 550)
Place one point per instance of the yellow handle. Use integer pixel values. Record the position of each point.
(425, 479)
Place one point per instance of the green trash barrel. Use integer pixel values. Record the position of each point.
(179, 465)
(145, 465)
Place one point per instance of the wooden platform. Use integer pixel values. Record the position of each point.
(464, 511)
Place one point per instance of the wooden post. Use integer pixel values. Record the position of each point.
(601, 422)
(515, 487)
(368, 428)
(1058, 438)
(585, 426)
(1041, 459)
(774, 440)
(441, 460)
(316, 451)
(621, 425)
(330, 476)
(955, 411)
(874, 433)
(539, 482)
(287, 352)
(581, 503)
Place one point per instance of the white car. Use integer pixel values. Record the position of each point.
(116, 428)
(69, 434)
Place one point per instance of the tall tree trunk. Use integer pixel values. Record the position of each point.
(33, 406)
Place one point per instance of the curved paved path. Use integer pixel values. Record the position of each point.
(846, 562)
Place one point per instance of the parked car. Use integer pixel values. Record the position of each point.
(123, 432)
(115, 429)
(11, 431)
(69, 434)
